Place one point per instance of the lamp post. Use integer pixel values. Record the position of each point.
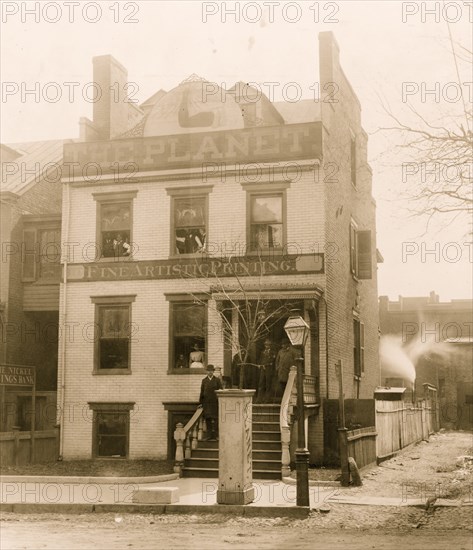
(297, 331)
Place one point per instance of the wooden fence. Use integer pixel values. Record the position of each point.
(15, 447)
(362, 446)
(400, 424)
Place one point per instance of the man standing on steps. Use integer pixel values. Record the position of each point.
(209, 402)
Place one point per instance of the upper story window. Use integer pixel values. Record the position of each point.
(360, 252)
(266, 221)
(189, 219)
(41, 251)
(113, 334)
(114, 224)
(190, 224)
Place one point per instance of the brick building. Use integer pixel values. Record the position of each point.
(197, 193)
(437, 336)
(195, 199)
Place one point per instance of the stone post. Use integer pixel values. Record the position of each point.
(235, 471)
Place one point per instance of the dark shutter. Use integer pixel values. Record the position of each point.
(29, 255)
(364, 254)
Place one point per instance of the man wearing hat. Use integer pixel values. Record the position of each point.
(285, 359)
(209, 401)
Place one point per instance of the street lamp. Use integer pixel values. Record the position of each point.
(297, 331)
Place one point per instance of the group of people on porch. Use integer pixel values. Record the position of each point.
(268, 377)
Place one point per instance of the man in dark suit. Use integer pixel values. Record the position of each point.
(209, 401)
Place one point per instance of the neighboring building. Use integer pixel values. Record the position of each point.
(31, 202)
(438, 336)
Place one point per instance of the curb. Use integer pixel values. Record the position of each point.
(312, 483)
(301, 512)
(88, 479)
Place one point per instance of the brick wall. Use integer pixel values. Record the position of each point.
(344, 202)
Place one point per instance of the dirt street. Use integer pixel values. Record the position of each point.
(439, 469)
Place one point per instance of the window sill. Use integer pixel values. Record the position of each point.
(102, 372)
(190, 255)
(187, 371)
(114, 259)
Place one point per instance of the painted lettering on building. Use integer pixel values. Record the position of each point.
(195, 268)
(16, 376)
(259, 144)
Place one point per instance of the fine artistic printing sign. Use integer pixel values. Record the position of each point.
(193, 268)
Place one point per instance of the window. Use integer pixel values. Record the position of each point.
(41, 253)
(114, 224)
(353, 159)
(111, 429)
(50, 254)
(358, 347)
(189, 219)
(360, 253)
(266, 221)
(113, 334)
(188, 340)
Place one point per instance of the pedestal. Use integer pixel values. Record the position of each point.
(235, 456)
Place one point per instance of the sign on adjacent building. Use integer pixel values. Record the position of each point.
(13, 375)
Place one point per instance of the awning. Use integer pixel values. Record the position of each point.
(281, 291)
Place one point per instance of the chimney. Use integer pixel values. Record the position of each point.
(434, 298)
(329, 56)
(111, 109)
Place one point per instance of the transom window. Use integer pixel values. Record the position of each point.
(266, 222)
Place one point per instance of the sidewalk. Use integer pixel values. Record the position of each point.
(83, 495)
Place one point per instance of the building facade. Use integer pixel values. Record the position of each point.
(181, 212)
(31, 204)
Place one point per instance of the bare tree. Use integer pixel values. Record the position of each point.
(243, 293)
(438, 179)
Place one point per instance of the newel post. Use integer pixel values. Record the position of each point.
(179, 436)
(285, 455)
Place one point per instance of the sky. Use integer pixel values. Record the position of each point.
(386, 47)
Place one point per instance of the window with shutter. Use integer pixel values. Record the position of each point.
(364, 262)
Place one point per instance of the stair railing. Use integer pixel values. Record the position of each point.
(286, 420)
(187, 437)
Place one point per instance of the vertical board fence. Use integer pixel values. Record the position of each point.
(400, 424)
(15, 447)
(362, 446)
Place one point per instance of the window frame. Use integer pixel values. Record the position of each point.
(358, 348)
(179, 299)
(113, 408)
(102, 302)
(196, 192)
(101, 199)
(361, 265)
(268, 190)
(36, 226)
